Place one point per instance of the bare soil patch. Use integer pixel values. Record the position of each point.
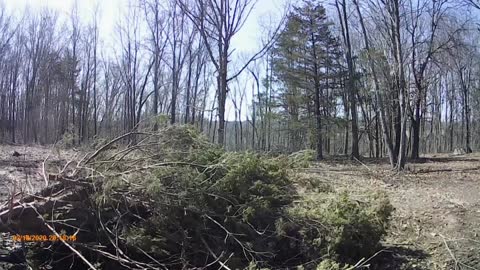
(25, 172)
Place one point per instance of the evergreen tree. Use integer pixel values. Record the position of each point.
(305, 54)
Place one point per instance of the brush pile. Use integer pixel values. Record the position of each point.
(172, 200)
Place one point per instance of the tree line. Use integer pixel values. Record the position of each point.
(373, 78)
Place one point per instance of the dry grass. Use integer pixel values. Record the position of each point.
(436, 224)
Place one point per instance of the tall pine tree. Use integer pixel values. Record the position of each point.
(305, 50)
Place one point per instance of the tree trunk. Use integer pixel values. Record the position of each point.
(352, 91)
(416, 133)
(378, 96)
(397, 46)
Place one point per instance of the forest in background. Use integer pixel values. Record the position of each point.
(374, 78)
(164, 145)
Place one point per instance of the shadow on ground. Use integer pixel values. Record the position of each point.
(348, 160)
(400, 258)
(443, 159)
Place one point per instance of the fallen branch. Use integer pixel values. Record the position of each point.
(450, 251)
(44, 173)
(217, 258)
(90, 265)
(364, 165)
(103, 148)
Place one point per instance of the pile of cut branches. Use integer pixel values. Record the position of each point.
(172, 200)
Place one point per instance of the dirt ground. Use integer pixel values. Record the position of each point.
(23, 174)
(436, 223)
